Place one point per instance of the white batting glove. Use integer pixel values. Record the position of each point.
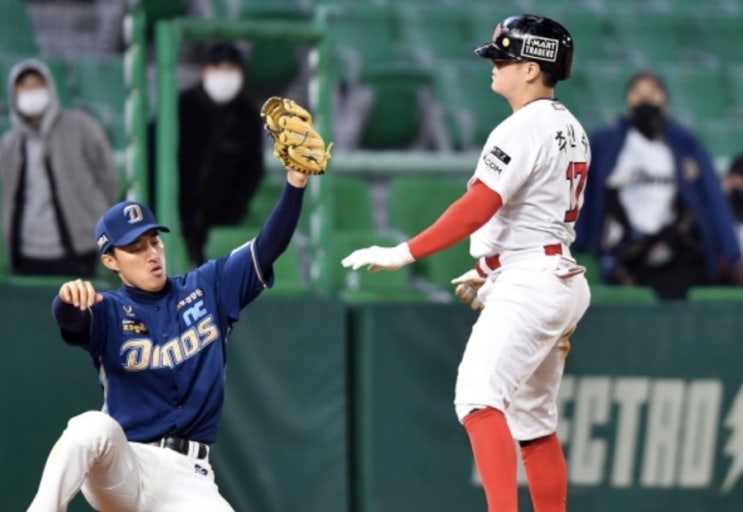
(466, 287)
(379, 258)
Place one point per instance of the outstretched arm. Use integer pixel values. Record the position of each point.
(279, 228)
(460, 220)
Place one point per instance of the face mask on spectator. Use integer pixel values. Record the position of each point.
(648, 119)
(33, 102)
(223, 85)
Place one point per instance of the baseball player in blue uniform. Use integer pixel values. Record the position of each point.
(158, 344)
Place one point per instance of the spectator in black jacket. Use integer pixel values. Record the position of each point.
(220, 154)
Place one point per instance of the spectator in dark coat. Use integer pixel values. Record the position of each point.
(220, 154)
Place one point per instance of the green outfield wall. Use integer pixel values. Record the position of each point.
(338, 408)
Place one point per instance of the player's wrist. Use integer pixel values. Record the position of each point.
(403, 254)
(296, 178)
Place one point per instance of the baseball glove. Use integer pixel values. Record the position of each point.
(296, 142)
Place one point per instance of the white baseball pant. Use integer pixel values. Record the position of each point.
(515, 356)
(115, 475)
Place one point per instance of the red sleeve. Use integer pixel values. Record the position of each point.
(463, 217)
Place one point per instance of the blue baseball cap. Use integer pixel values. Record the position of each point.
(123, 223)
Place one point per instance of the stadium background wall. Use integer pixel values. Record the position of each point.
(355, 415)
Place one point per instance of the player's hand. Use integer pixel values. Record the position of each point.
(379, 258)
(467, 286)
(79, 293)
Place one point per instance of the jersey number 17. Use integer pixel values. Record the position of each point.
(576, 175)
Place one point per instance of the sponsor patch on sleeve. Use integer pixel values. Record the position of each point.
(495, 157)
(501, 155)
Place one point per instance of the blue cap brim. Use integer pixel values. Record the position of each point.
(132, 235)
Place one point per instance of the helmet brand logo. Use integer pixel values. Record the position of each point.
(540, 48)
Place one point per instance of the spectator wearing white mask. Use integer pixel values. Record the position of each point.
(57, 176)
(220, 154)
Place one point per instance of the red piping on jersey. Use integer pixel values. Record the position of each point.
(463, 217)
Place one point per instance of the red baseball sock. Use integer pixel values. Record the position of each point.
(495, 455)
(547, 473)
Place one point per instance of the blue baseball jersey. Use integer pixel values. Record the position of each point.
(162, 356)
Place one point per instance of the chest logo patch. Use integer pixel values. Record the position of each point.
(129, 326)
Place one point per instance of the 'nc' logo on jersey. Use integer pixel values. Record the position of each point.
(193, 313)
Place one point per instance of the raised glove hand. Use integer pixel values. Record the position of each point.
(379, 258)
(296, 142)
(466, 287)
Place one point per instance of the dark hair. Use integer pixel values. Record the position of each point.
(646, 75)
(28, 72)
(548, 79)
(223, 52)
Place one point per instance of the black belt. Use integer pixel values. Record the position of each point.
(183, 446)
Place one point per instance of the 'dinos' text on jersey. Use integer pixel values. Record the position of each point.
(142, 353)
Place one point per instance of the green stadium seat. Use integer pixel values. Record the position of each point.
(718, 32)
(606, 84)
(697, 90)
(733, 72)
(364, 286)
(362, 34)
(273, 63)
(433, 32)
(576, 95)
(352, 202)
(414, 203)
(472, 109)
(715, 294)
(394, 121)
(481, 17)
(440, 268)
(648, 37)
(721, 137)
(603, 294)
(263, 202)
(594, 34)
(290, 279)
(16, 30)
(99, 80)
(223, 239)
(290, 275)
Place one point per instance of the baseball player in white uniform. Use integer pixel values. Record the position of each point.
(519, 211)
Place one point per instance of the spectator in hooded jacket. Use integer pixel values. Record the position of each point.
(220, 153)
(58, 177)
(654, 210)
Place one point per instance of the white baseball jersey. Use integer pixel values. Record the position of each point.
(537, 160)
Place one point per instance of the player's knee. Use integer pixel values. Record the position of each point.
(93, 425)
(465, 410)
